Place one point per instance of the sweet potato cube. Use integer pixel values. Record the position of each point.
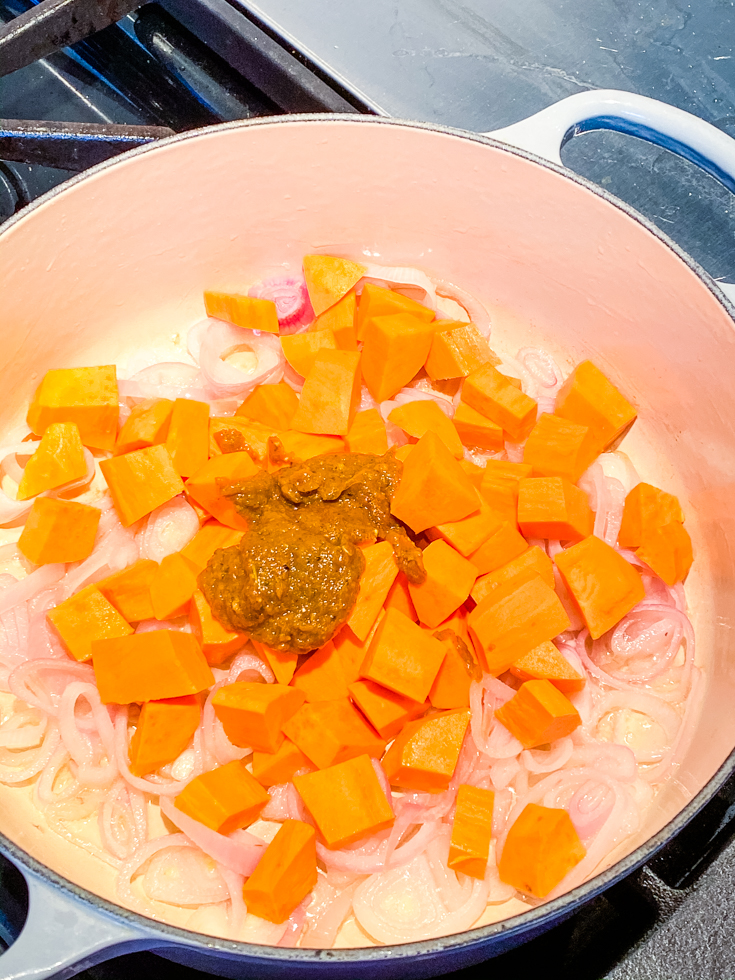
(129, 590)
(283, 663)
(425, 754)
(321, 677)
(172, 586)
(386, 711)
(84, 617)
(331, 393)
(559, 447)
(513, 620)
(533, 561)
(375, 582)
(395, 348)
(377, 301)
(491, 394)
(217, 642)
(403, 657)
(456, 350)
(351, 650)
(149, 667)
(223, 799)
(646, 507)
(285, 874)
(503, 545)
(84, 395)
(328, 278)
(667, 550)
(545, 662)
(276, 768)
(204, 488)
(242, 311)
(304, 445)
(434, 488)
(346, 801)
(421, 416)
(59, 459)
(473, 471)
(253, 715)
(588, 398)
(538, 713)
(472, 826)
(164, 730)
(301, 349)
(451, 688)
(271, 405)
(399, 597)
(206, 541)
(499, 486)
(236, 433)
(58, 531)
(552, 507)
(188, 436)
(604, 585)
(141, 481)
(329, 732)
(367, 433)
(147, 425)
(467, 535)
(476, 431)
(340, 319)
(541, 848)
(449, 579)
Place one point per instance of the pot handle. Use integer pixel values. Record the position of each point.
(63, 935)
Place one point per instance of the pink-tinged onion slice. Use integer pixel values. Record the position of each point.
(166, 379)
(293, 306)
(168, 529)
(211, 341)
(184, 876)
(471, 305)
(326, 912)
(404, 279)
(240, 852)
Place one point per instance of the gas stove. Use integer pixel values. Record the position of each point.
(181, 64)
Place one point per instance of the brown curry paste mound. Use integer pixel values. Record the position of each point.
(293, 579)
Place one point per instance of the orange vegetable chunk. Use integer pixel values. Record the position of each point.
(476, 431)
(469, 846)
(276, 768)
(399, 597)
(394, 350)
(84, 617)
(351, 650)
(328, 278)
(206, 541)
(321, 677)
(58, 531)
(85, 395)
(513, 620)
(491, 394)
(538, 713)
(329, 732)
(271, 405)
(147, 425)
(223, 799)
(451, 688)
(254, 715)
(340, 319)
(434, 488)
(499, 486)
(386, 711)
(375, 582)
(237, 433)
(588, 398)
(217, 642)
(304, 445)
(377, 301)
(449, 579)
(188, 436)
(541, 848)
(164, 730)
(473, 471)
(141, 481)
(173, 585)
(285, 874)
(243, 311)
(403, 657)
(346, 801)
(331, 393)
(467, 535)
(552, 507)
(301, 349)
(559, 447)
(457, 350)
(282, 662)
(604, 585)
(129, 590)
(668, 551)
(503, 545)
(367, 433)
(533, 561)
(646, 507)
(149, 667)
(203, 486)
(545, 662)
(425, 754)
(421, 416)
(59, 459)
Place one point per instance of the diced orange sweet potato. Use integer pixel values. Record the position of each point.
(668, 551)
(84, 617)
(129, 590)
(604, 585)
(386, 711)
(449, 579)
(243, 311)
(499, 486)
(206, 541)
(467, 535)
(172, 586)
(513, 620)
(164, 730)
(473, 471)
(59, 459)
(472, 826)
(253, 715)
(329, 732)
(284, 875)
(204, 488)
(399, 597)
(271, 405)
(340, 319)
(491, 394)
(188, 436)
(545, 662)
(376, 301)
(421, 416)
(283, 663)
(367, 433)
(434, 488)
(451, 688)
(538, 713)
(375, 582)
(646, 507)
(321, 677)
(533, 561)
(552, 507)
(301, 349)
(588, 398)
(424, 755)
(223, 799)
(58, 531)
(559, 447)
(237, 433)
(217, 642)
(330, 395)
(276, 768)
(476, 431)
(457, 350)
(149, 666)
(346, 801)
(85, 395)
(304, 445)
(140, 481)
(328, 278)
(351, 650)
(502, 546)
(147, 425)
(403, 657)
(541, 848)
(395, 348)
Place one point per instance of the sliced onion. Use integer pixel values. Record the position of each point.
(130, 868)
(211, 340)
(168, 529)
(326, 912)
(42, 578)
(167, 379)
(239, 853)
(476, 312)
(403, 279)
(184, 876)
(293, 306)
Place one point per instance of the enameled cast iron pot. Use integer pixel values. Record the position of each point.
(121, 255)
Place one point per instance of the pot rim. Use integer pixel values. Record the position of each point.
(525, 921)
